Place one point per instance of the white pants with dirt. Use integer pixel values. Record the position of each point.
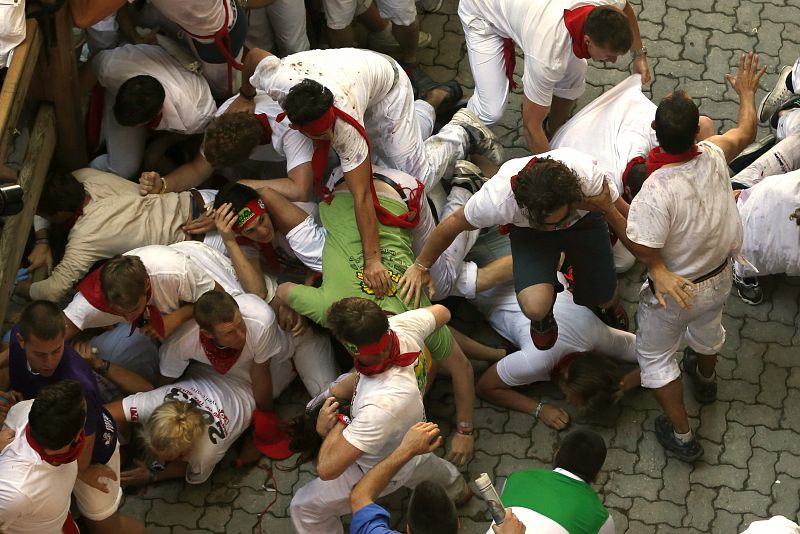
(94, 504)
(661, 331)
(318, 506)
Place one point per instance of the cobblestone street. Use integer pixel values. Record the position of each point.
(751, 435)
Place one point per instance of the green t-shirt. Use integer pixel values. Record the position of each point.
(343, 261)
(571, 503)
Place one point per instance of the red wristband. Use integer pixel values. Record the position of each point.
(343, 419)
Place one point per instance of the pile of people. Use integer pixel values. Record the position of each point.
(251, 217)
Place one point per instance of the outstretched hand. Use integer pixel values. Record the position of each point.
(412, 283)
(748, 77)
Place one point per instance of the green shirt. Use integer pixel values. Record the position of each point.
(343, 263)
(571, 503)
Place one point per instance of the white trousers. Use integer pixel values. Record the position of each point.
(317, 506)
(661, 331)
(312, 361)
(94, 504)
(279, 28)
(782, 158)
(400, 131)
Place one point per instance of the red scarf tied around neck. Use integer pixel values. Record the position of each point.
(221, 358)
(266, 137)
(319, 161)
(574, 20)
(658, 158)
(92, 291)
(59, 459)
(394, 358)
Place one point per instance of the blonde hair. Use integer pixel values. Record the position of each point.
(173, 429)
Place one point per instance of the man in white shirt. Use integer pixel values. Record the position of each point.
(548, 202)
(387, 400)
(361, 105)
(557, 37)
(39, 467)
(684, 226)
(237, 139)
(239, 336)
(146, 89)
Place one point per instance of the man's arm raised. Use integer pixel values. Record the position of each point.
(745, 84)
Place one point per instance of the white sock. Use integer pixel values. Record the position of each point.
(684, 438)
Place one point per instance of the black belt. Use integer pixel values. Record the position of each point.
(707, 276)
(198, 207)
(385, 179)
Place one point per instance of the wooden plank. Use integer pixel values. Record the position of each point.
(60, 64)
(31, 178)
(15, 86)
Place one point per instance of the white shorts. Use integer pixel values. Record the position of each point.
(340, 13)
(661, 331)
(94, 504)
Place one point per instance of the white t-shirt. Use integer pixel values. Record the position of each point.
(358, 79)
(34, 495)
(688, 212)
(538, 28)
(264, 340)
(614, 128)
(188, 104)
(386, 405)
(495, 202)
(771, 240)
(227, 404)
(174, 279)
(286, 144)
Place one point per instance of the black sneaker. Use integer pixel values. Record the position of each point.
(544, 333)
(705, 389)
(687, 452)
(750, 291)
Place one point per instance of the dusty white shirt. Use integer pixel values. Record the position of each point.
(688, 212)
(386, 405)
(34, 495)
(771, 241)
(358, 79)
(614, 128)
(200, 17)
(227, 404)
(286, 144)
(537, 27)
(264, 341)
(495, 204)
(188, 104)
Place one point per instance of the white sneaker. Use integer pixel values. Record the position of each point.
(482, 139)
(779, 95)
(468, 175)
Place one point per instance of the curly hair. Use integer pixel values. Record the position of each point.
(544, 186)
(595, 378)
(231, 138)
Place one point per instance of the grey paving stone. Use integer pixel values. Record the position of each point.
(737, 445)
(699, 514)
(657, 513)
(168, 514)
(773, 386)
(215, 518)
(761, 469)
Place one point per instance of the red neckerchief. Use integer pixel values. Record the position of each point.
(409, 219)
(266, 137)
(153, 124)
(626, 191)
(510, 61)
(659, 158)
(91, 290)
(394, 357)
(574, 20)
(68, 224)
(562, 364)
(504, 229)
(58, 459)
(69, 526)
(221, 358)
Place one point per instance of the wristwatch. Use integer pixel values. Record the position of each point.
(639, 52)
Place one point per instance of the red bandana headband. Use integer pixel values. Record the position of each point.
(316, 127)
(253, 209)
(371, 348)
(394, 358)
(71, 455)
